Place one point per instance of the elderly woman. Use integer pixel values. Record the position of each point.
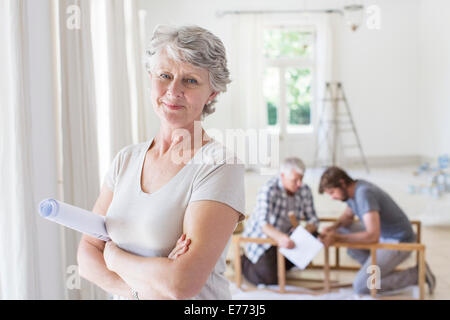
(151, 198)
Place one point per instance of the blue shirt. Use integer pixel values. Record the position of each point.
(394, 223)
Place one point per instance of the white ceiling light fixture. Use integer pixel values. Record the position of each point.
(354, 15)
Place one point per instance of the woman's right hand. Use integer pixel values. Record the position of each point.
(181, 247)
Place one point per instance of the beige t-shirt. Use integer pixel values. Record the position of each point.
(150, 224)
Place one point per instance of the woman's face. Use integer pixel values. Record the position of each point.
(179, 91)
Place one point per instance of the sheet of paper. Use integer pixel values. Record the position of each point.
(75, 218)
(306, 248)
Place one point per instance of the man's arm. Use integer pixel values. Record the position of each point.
(370, 235)
(281, 238)
(264, 213)
(345, 220)
(209, 225)
(312, 221)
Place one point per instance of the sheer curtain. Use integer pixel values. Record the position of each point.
(103, 103)
(130, 116)
(246, 64)
(18, 237)
(78, 129)
(122, 83)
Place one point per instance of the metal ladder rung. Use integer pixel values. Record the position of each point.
(340, 119)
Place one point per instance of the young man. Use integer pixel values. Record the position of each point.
(282, 194)
(381, 220)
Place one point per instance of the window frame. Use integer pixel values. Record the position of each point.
(281, 64)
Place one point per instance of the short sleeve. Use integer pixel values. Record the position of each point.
(110, 178)
(223, 183)
(366, 201)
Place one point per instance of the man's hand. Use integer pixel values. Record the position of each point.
(330, 229)
(285, 242)
(328, 238)
(311, 228)
(181, 247)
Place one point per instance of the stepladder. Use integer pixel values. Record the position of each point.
(337, 137)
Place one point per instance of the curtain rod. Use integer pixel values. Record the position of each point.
(229, 12)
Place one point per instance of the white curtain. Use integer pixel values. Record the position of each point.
(18, 243)
(246, 67)
(130, 115)
(325, 73)
(78, 130)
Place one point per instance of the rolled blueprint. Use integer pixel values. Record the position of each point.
(75, 218)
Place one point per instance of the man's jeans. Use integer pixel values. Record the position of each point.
(387, 261)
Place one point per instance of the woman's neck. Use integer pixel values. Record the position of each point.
(167, 138)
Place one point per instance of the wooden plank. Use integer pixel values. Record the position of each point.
(402, 246)
(421, 279)
(281, 271)
(293, 219)
(373, 255)
(326, 269)
(258, 240)
(337, 264)
(237, 263)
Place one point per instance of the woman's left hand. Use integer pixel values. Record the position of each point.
(181, 247)
(109, 253)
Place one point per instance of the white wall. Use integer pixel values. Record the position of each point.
(434, 84)
(379, 68)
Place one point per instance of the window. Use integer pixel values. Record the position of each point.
(289, 56)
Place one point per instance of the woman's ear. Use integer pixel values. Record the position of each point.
(212, 96)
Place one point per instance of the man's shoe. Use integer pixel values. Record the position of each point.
(430, 278)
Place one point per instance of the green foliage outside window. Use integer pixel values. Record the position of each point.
(285, 43)
(299, 96)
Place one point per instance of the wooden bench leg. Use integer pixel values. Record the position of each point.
(337, 264)
(281, 271)
(421, 279)
(373, 289)
(326, 269)
(237, 264)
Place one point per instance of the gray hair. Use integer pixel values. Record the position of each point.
(293, 163)
(196, 46)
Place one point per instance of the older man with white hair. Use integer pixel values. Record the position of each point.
(281, 196)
